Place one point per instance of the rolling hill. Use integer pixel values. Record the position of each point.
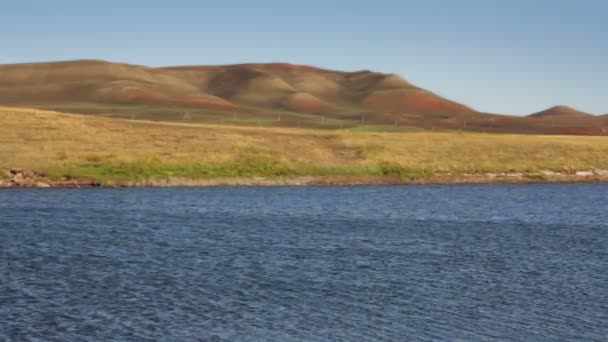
(562, 112)
(275, 94)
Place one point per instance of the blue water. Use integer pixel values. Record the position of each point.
(471, 263)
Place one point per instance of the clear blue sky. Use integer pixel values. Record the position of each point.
(502, 56)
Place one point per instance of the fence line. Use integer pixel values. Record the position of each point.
(321, 122)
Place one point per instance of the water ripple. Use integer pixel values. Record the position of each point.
(426, 263)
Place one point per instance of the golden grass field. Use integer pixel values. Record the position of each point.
(67, 145)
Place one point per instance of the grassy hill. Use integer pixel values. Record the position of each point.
(114, 150)
(269, 95)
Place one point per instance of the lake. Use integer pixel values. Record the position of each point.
(424, 263)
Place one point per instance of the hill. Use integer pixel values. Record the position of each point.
(99, 82)
(570, 120)
(562, 112)
(269, 86)
(275, 94)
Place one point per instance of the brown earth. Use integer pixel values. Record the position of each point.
(562, 111)
(306, 103)
(413, 101)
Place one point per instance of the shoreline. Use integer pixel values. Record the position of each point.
(31, 179)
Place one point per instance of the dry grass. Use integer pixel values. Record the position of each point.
(85, 146)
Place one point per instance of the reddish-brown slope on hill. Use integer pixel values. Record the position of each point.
(571, 120)
(561, 111)
(306, 103)
(413, 101)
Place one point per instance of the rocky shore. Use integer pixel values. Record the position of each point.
(19, 178)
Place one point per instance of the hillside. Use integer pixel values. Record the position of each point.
(276, 94)
(99, 82)
(562, 112)
(269, 86)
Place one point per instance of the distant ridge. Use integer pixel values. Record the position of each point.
(281, 93)
(276, 86)
(561, 111)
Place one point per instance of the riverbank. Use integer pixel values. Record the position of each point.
(28, 179)
(50, 149)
